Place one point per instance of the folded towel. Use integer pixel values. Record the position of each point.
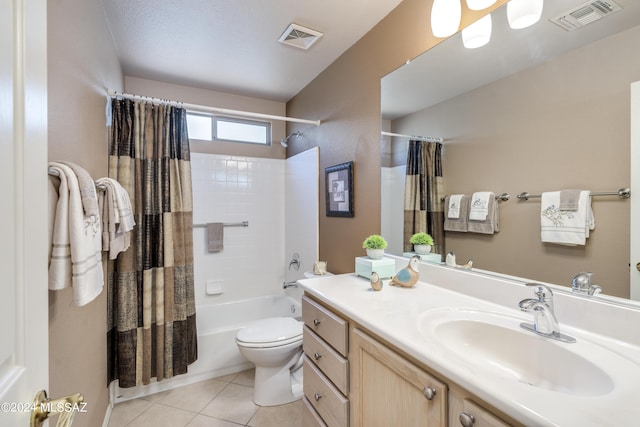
(565, 227)
(491, 222)
(462, 222)
(453, 206)
(569, 200)
(88, 193)
(215, 236)
(117, 217)
(76, 250)
(479, 209)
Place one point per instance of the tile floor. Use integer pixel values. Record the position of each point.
(220, 402)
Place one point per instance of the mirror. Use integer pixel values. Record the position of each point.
(538, 109)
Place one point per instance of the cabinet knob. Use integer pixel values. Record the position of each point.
(429, 392)
(316, 322)
(317, 396)
(467, 420)
(317, 356)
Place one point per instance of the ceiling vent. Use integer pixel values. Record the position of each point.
(299, 36)
(586, 13)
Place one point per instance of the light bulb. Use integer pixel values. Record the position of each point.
(523, 13)
(479, 4)
(477, 34)
(445, 17)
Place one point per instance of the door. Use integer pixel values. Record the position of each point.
(635, 186)
(23, 208)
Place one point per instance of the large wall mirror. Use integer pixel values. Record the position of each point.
(537, 109)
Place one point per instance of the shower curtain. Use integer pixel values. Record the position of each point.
(151, 305)
(424, 190)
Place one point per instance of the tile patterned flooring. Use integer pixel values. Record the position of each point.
(220, 402)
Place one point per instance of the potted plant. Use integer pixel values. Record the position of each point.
(375, 245)
(422, 243)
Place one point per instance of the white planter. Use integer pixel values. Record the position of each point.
(422, 249)
(375, 253)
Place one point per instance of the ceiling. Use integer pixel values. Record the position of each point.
(449, 69)
(232, 45)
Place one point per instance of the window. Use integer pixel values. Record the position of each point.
(219, 128)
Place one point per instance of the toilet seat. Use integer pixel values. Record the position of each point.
(270, 332)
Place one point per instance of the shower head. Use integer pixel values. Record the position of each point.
(284, 141)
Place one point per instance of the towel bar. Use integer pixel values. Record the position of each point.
(226, 224)
(504, 197)
(623, 193)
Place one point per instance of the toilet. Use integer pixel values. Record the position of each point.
(274, 345)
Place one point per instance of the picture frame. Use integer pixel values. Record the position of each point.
(339, 190)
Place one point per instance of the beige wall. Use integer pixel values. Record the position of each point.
(211, 98)
(563, 124)
(346, 97)
(82, 63)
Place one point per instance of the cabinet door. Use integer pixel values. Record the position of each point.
(387, 390)
(466, 413)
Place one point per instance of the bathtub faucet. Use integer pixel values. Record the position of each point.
(291, 284)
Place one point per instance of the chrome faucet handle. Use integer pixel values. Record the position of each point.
(581, 284)
(543, 292)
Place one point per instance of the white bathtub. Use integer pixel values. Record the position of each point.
(218, 353)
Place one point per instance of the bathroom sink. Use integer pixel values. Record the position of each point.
(491, 343)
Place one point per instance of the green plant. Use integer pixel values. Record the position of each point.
(421, 239)
(374, 241)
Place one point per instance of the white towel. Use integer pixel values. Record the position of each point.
(454, 206)
(76, 253)
(565, 227)
(117, 217)
(479, 207)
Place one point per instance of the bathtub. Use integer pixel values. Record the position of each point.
(218, 353)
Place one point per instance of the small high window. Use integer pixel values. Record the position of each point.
(210, 127)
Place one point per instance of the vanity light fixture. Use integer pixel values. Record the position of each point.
(479, 4)
(445, 17)
(523, 13)
(477, 34)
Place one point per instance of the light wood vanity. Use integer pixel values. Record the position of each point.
(352, 377)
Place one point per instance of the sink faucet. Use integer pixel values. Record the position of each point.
(544, 318)
(581, 284)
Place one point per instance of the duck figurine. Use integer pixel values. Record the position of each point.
(376, 282)
(408, 276)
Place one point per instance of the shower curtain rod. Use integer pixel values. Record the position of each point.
(422, 138)
(205, 108)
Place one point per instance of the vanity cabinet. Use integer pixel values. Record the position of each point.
(388, 390)
(326, 368)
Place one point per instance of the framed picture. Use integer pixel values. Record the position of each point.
(339, 189)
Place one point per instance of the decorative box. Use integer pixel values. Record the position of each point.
(385, 267)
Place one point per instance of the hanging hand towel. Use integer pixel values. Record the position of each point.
(479, 209)
(453, 205)
(88, 193)
(491, 222)
(565, 227)
(461, 223)
(117, 217)
(569, 200)
(76, 256)
(215, 236)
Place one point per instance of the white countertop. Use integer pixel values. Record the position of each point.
(394, 314)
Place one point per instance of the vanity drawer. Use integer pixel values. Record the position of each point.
(334, 366)
(330, 404)
(310, 417)
(330, 327)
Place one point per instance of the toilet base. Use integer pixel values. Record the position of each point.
(275, 386)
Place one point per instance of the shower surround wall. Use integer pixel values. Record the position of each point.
(233, 189)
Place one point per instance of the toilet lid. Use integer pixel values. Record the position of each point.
(273, 329)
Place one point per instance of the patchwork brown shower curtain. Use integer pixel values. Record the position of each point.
(151, 304)
(424, 190)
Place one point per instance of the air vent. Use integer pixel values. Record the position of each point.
(299, 36)
(586, 13)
